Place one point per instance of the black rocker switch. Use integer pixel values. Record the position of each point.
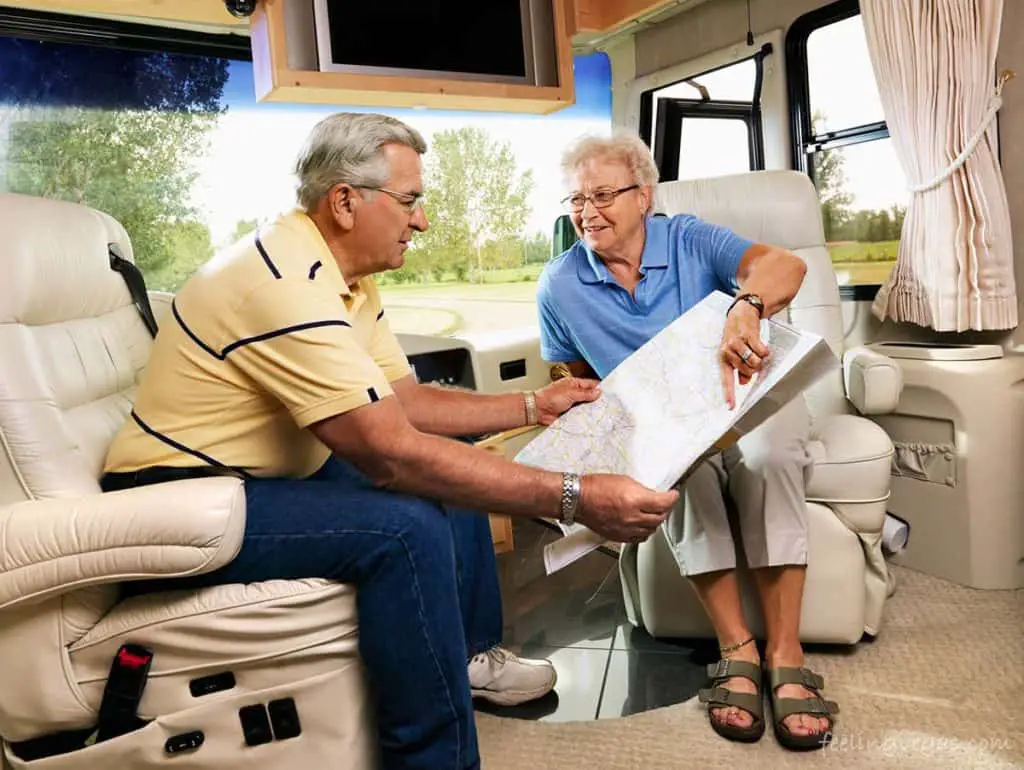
(255, 724)
(284, 718)
(205, 685)
(184, 742)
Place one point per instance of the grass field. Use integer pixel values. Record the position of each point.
(450, 308)
(851, 251)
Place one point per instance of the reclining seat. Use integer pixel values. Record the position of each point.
(847, 578)
(263, 675)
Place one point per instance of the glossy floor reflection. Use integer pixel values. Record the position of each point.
(576, 618)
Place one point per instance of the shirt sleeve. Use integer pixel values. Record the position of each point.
(295, 341)
(555, 341)
(386, 351)
(718, 248)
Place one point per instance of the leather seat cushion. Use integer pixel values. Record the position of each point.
(852, 461)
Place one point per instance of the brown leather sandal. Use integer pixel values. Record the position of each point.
(717, 696)
(815, 707)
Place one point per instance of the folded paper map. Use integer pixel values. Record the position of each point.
(662, 411)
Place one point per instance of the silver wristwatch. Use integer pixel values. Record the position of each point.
(570, 497)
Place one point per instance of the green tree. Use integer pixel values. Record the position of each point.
(537, 249)
(190, 247)
(118, 131)
(898, 213)
(503, 253)
(476, 195)
(242, 228)
(134, 165)
(830, 181)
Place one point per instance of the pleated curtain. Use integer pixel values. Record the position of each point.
(935, 62)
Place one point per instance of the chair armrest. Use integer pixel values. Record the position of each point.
(873, 381)
(851, 469)
(163, 530)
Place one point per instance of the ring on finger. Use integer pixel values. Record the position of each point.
(746, 355)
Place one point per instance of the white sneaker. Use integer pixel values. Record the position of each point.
(507, 680)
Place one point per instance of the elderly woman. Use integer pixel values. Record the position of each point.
(630, 275)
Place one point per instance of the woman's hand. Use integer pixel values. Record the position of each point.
(742, 349)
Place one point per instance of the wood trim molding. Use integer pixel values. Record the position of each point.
(586, 16)
(209, 13)
(604, 15)
(583, 15)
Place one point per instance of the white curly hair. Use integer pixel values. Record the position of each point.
(622, 147)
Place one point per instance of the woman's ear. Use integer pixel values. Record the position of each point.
(647, 198)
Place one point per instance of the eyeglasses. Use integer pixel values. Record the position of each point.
(601, 199)
(410, 201)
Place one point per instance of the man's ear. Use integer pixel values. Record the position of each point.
(343, 201)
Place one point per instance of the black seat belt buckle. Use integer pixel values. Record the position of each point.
(119, 709)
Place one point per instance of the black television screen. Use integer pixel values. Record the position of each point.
(472, 37)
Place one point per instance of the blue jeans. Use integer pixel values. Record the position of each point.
(427, 596)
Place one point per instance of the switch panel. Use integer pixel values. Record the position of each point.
(444, 367)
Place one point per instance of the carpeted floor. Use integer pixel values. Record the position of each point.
(941, 687)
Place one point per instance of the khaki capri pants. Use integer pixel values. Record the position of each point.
(758, 486)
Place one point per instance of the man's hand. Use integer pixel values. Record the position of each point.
(742, 349)
(620, 509)
(556, 398)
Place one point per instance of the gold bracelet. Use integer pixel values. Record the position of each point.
(530, 401)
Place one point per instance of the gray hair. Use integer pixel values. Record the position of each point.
(348, 148)
(625, 148)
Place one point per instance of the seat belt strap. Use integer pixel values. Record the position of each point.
(136, 286)
(119, 709)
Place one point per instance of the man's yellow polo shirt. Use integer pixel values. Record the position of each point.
(266, 339)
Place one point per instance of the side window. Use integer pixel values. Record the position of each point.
(841, 140)
(708, 124)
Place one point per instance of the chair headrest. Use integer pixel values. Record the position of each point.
(778, 207)
(55, 262)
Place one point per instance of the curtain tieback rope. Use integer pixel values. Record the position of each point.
(994, 106)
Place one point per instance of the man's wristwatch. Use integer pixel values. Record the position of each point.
(570, 497)
(750, 299)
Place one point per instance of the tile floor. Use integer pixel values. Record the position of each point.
(576, 618)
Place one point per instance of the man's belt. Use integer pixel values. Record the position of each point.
(158, 474)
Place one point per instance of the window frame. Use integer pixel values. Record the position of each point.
(669, 128)
(804, 141)
(667, 124)
(45, 27)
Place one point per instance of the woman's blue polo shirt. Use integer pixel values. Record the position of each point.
(586, 315)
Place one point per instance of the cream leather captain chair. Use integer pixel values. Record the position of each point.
(847, 579)
(72, 348)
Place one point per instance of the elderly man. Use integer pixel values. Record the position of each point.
(629, 276)
(278, 364)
